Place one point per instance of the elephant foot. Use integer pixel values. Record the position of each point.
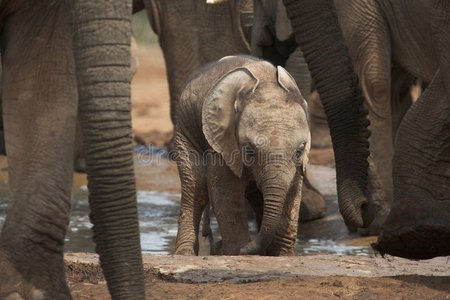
(185, 252)
(30, 280)
(313, 204)
(216, 248)
(418, 224)
(417, 241)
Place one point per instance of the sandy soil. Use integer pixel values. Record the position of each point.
(317, 287)
(151, 125)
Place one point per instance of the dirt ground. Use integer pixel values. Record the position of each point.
(151, 125)
(86, 281)
(317, 287)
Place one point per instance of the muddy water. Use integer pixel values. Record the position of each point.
(158, 212)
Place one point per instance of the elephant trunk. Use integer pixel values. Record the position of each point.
(275, 183)
(318, 34)
(102, 54)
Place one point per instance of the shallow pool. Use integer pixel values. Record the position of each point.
(158, 213)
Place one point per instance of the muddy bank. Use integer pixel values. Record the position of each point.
(245, 269)
(317, 277)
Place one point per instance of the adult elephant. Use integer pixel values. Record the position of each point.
(418, 222)
(54, 52)
(193, 34)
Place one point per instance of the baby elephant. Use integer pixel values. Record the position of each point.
(242, 134)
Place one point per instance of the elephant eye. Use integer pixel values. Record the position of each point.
(298, 154)
(249, 155)
(248, 150)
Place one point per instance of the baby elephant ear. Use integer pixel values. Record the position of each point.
(219, 116)
(287, 82)
(306, 154)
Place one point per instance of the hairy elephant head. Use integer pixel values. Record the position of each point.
(256, 118)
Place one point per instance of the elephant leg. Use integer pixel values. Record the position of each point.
(79, 155)
(401, 96)
(284, 241)
(194, 196)
(256, 200)
(313, 204)
(418, 225)
(226, 193)
(367, 37)
(39, 110)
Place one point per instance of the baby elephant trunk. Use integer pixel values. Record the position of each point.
(274, 186)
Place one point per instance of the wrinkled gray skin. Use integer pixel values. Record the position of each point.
(79, 163)
(385, 83)
(53, 55)
(241, 124)
(418, 223)
(190, 36)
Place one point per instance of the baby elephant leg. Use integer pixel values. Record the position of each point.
(194, 197)
(226, 192)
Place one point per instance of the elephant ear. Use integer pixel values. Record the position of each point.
(219, 115)
(306, 154)
(287, 82)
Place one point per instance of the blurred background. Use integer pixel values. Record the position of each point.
(150, 92)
